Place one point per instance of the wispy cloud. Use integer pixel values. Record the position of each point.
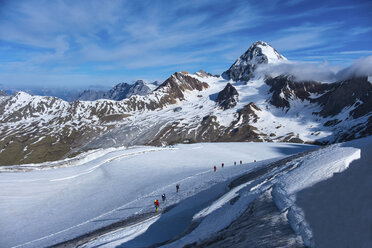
(303, 36)
(360, 30)
(119, 30)
(357, 52)
(152, 38)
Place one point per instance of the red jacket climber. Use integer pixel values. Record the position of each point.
(156, 204)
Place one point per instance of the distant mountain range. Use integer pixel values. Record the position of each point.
(119, 92)
(244, 104)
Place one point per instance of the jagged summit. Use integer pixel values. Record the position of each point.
(259, 53)
(262, 52)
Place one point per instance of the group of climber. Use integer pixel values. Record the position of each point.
(156, 202)
(222, 165)
(163, 197)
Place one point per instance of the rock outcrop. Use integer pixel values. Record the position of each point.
(228, 97)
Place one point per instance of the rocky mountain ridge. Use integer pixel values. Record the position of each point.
(118, 92)
(54, 127)
(190, 108)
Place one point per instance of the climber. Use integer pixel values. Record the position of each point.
(156, 204)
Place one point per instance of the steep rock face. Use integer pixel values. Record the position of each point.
(259, 53)
(356, 91)
(228, 97)
(284, 88)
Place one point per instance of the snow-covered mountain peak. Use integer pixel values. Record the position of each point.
(22, 96)
(259, 53)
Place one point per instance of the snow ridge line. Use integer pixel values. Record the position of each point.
(286, 201)
(68, 162)
(108, 161)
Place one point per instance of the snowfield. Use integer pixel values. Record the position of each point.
(47, 207)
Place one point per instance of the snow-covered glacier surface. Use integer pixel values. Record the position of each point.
(46, 207)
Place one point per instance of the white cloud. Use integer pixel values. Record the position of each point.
(318, 72)
(361, 67)
(302, 71)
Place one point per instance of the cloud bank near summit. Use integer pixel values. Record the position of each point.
(317, 72)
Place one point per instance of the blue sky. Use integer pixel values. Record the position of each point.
(84, 44)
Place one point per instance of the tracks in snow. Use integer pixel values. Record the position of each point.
(260, 179)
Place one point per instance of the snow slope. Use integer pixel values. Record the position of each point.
(210, 226)
(44, 207)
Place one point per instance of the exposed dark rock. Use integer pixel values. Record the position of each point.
(178, 83)
(244, 131)
(347, 93)
(210, 130)
(228, 97)
(285, 88)
(368, 128)
(178, 109)
(332, 122)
